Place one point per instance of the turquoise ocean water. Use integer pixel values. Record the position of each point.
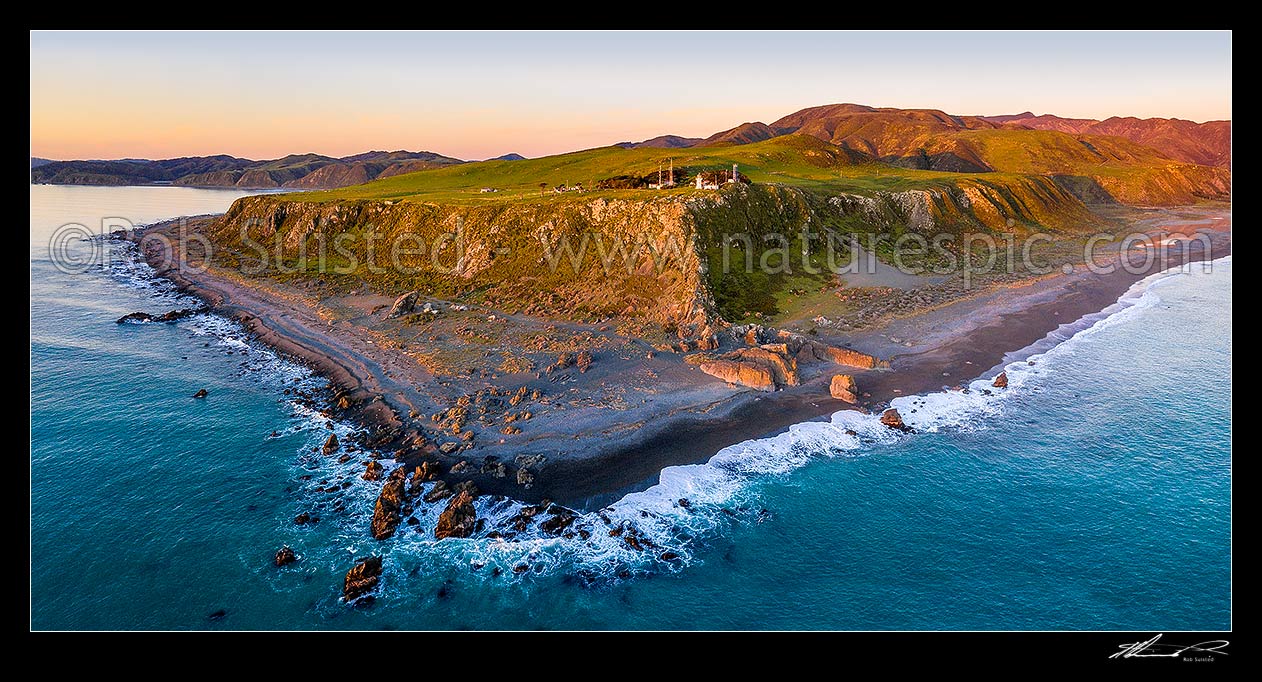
(1094, 494)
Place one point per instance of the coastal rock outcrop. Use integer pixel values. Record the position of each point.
(894, 420)
(362, 578)
(561, 519)
(141, 318)
(440, 491)
(459, 519)
(843, 387)
(1001, 381)
(426, 471)
(385, 516)
(330, 445)
(373, 471)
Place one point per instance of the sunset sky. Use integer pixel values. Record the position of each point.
(476, 95)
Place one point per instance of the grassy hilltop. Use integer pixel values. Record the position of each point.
(794, 160)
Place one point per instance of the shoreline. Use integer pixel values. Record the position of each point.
(1003, 321)
(972, 354)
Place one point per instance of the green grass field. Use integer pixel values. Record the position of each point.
(794, 160)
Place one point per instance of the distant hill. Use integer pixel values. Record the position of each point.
(36, 162)
(299, 171)
(930, 139)
(744, 133)
(1207, 144)
(662, 142)
(511, 156)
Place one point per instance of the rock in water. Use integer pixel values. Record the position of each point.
(894, 420)
(385, 517)
(440, 491)
(1001, 381)
(403, 304)
(330, 445)
(175, 315)
(844, 388)
(362, 578)
(374, 471)
(525, 478)
(561, 520)
(458, 519)
(201, 393)
(285, 555)
(141, 318)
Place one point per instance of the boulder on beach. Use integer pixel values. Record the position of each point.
(404, 304)
(1001, 381)
(843, 387)
(362, 578)
(756, 377)
(459, 519)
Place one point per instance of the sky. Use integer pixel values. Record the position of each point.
(477, 95)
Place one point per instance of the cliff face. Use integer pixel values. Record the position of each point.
(649, 261)
(576, 259)
(1172, 185)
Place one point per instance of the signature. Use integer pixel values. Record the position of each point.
(1153, 648)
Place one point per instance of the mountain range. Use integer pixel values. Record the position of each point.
(920, 139)
(930, 139)
(297, 171)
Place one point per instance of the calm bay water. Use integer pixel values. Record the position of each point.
(1095, 495)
